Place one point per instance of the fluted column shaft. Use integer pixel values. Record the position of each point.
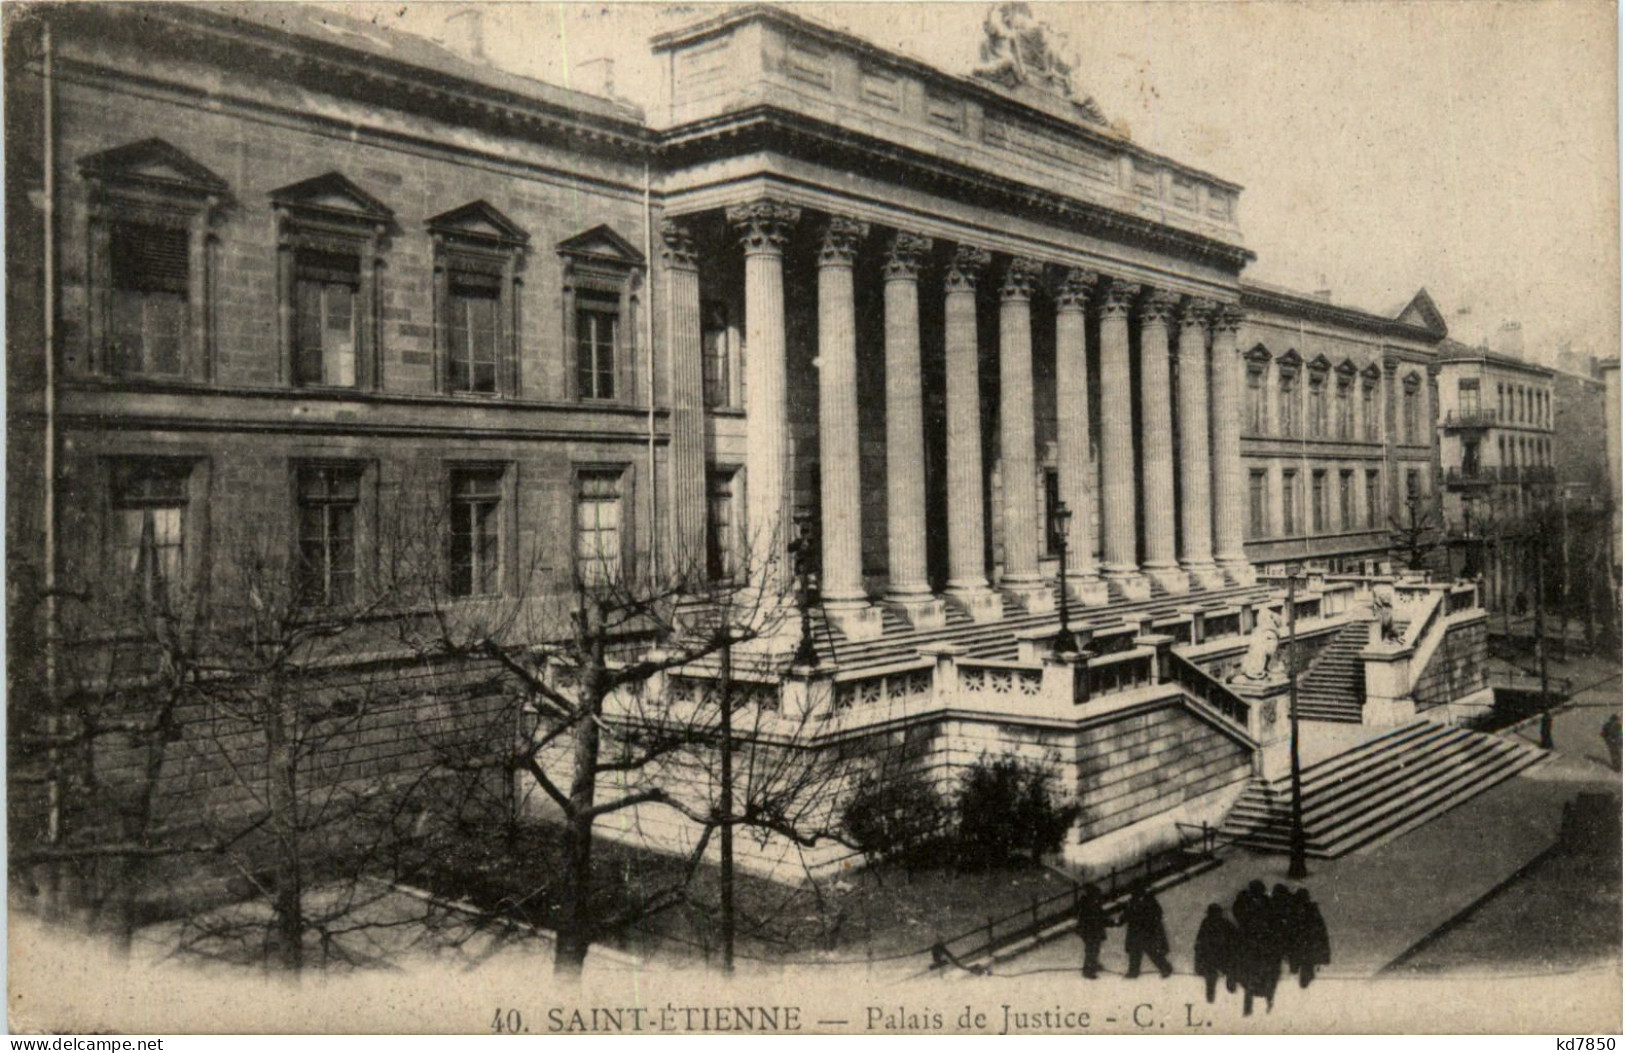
(763, 228)
(1229, 480)
(1156, 436)
(1072, 418)
(1016, 442)
(687, 400)
(905, 422)
(839, 468)
(1117, 430)
(1195, 467)
(966, 568)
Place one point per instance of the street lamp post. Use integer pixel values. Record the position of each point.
(801, 549)
(1298, 866)
(1066, 643)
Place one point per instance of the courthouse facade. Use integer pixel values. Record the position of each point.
(277, 275)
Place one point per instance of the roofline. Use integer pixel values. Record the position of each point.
(829, 34)
(1256, 294)
(1464, 353)
(627, 127)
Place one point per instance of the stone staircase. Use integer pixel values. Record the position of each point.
(1333, 687)
(1378, 790)
(899, 641)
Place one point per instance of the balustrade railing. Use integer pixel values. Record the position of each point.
(1210, 692)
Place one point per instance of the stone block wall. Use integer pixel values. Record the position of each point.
(1458, 668)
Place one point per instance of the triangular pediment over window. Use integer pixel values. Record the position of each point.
(154, 163)
(480, 222)
(335, 196)
(601, 244)
(1291, 358)
(1320, 364)
(1347, 368)
(1259, 353)
(1371, 372)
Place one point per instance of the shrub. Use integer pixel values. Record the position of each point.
(1006, 809)
(896, 819)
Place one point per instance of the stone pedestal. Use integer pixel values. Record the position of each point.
(983, 605)
(1387, 683)
(927, 613)
(856, 623)
(1090, 592)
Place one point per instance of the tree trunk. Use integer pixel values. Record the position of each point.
(288, 922)
(575, 921)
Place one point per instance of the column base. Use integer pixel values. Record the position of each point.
(1239, 571)
(922, 612)
(982, 604)
(1173, 580)
(1035, 597)
(856, 623)
(1129, 581)
(1089, 591)
(1207, 574)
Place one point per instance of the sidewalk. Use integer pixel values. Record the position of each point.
(1380, 902)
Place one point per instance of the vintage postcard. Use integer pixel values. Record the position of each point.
(891, 518)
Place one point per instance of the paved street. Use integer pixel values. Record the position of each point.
(1378, 903)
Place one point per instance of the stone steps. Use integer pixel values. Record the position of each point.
(997, 640)
(1378, 790)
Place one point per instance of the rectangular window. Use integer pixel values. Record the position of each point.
(1317, 498)
(1412, 424)
(149, 508)
(722, 525)
(1317, 408)
(1257, 505)
(1373, 497)
(329, 496)
(1290, 524)
(714, 354)
(1257, 412)
(151, 268)
(1368, 411)
(1413, 484)
(471, 333)
(598, 526)
(1345, 500)
(476, 531)
(1345, 410)
(1467, 396)
(1289, 406)
(325, 293)
(598, 320)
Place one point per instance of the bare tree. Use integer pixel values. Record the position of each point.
(637, 689)
(1415, 532)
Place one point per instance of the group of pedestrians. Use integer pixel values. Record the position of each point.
(1268, 929)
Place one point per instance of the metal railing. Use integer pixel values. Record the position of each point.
(1480, 418)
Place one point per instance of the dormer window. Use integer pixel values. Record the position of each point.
(478, 255)
(603, 278)
(152, 212)
(330, 234)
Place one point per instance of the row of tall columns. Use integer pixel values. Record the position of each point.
(1210, 474)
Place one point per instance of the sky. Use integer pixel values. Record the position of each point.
(1465, 146)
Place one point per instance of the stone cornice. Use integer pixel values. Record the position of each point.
(769, 127)
(1277, 301)
(198, 33)
(980, 90)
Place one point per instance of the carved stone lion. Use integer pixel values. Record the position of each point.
(1262, 645)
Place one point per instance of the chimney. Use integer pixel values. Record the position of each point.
(1509, 338)
(464, 33)
(596, 77)
(1324, 293)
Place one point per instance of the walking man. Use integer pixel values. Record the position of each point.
(1610, 738)
(1215, 949)
(1146, 934)
(1093, 921)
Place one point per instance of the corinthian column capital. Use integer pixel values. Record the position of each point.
(1228, 318)
(1157, 306)
(1117, 298)
(904, 254)
(763, 226)
(1020, 278)
(1195, 312)
(1075, 289)
(839, 246)
(966, 269)
(677, 244)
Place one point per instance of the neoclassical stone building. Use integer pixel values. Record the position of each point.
(282, 273)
